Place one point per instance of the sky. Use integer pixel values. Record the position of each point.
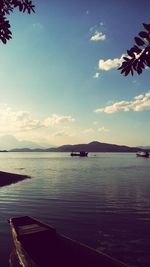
(59, 82)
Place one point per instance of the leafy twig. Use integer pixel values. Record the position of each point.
(138, 57)
(7, 7)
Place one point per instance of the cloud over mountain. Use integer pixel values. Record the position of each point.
(23, 125)
(10, 142)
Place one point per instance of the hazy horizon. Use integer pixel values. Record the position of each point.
(9, 142)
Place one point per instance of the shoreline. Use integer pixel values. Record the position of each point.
(7, 178)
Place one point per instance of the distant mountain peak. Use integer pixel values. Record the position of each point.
(96, 146)
(11, 142)
(94, 143)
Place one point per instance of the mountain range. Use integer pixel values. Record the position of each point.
(91, 147)
(145, 147)
(8, 142)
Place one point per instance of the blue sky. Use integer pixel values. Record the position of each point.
(59, 81)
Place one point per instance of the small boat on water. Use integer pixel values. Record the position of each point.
(39, 245)
(143, 154)
(79, 154)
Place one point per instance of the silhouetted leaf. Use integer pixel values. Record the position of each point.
(141, 64)
(144, 35)
(147, 26)
(138, 58)
(32, 8)
(132, 71)
(8, 6)
(123, 65)
(3, 40)
(126, 58)
(139, 41)
(135, 64)
(127, 70)
(20, 7)
(147, 62)
(131, 52)
(122, 71)
(139, 70)
(147, 58)
(136, 49)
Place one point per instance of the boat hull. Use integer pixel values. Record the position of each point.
(80, 154)
(39, 245)
(142, 154)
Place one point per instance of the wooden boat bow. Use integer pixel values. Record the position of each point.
(39, 245)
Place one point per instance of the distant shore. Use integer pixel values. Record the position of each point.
(92, 147)
(7, 178)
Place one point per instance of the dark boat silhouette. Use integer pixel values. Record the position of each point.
(143, 154)
(39, 245)
(79, 154)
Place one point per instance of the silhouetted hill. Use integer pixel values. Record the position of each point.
(91, 147)
(145, 148)
(11, 142)
(97, 147)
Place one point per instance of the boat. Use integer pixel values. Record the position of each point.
(39, 245)
(79, 154)
(143, 154)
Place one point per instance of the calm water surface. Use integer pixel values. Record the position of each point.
(102, 200)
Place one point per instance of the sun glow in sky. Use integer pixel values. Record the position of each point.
(59, 81)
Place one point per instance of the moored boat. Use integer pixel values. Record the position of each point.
(39, 245)
(79, 154)
(143, 154)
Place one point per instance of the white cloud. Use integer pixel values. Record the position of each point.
(96, 75)
(139, 103)
(110, 64)
(23, 124)
(103, 129)
(13, 121)
(57, 119)
(24, 121)
(98, 36)
(139, 97)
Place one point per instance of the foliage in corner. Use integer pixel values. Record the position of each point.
(138, 57)
(7, 7)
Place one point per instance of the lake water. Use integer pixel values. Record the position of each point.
(102, 200)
